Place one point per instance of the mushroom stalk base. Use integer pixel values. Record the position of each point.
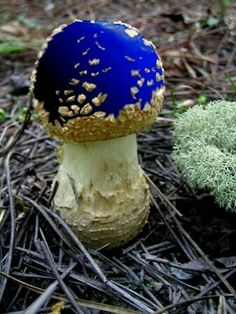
(102, 192)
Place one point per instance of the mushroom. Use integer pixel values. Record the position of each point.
(96, 84)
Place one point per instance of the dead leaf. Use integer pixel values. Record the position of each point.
(190, 70)
(228, 262)
(185, 53)
(13, 28)
(57, 307)
(181, 274)
(198, 264)
(182, 87)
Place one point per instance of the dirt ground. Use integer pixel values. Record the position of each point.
(184, 261)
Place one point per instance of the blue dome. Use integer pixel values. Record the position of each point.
(102, 65)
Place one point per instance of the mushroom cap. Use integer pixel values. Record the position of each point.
(97, 80)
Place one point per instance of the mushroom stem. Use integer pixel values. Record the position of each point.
(102, 191)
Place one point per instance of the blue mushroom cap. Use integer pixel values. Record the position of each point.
(93, 67)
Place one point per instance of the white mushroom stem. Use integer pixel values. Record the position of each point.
(102, 192)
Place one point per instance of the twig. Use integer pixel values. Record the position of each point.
(81, 302)
(189, 302)
(12, 142)
(36, 305)
(13, 226)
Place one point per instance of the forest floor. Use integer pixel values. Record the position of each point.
(184, 261)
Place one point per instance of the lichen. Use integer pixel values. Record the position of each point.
(204, 151)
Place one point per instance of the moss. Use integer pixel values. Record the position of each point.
(204, 151)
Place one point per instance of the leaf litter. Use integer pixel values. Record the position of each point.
(184, 260)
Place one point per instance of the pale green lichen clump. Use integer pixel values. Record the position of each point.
(205, 150)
